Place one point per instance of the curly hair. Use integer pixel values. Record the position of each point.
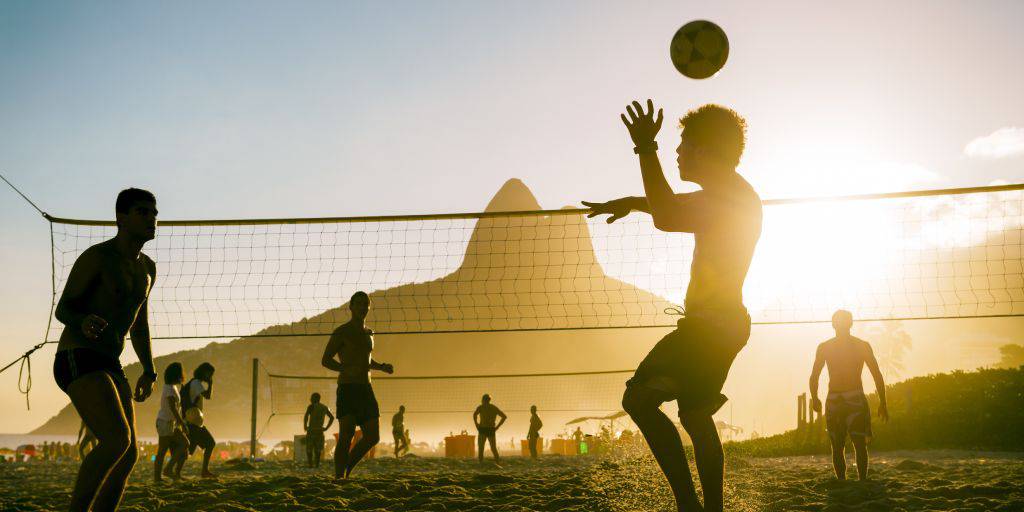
(717, 129)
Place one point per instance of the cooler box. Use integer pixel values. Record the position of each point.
(524, 447)
(299, 450)
(460, 446)
(563, 447)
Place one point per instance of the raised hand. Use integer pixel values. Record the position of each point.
(642, 126)
(617, 208)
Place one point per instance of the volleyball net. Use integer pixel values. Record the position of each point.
(930, 254)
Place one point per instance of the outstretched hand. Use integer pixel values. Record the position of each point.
(642, 126)
(617, 208)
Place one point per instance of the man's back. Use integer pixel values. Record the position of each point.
(488, 414)
(845, 358)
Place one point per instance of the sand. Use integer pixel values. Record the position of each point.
(940, 480)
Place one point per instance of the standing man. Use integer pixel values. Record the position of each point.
(398, 431)
(197, 390)
(534, 433)
(690, 364)
(846, 407)
(313, 425)
(104, 299)
(483, 417)
(348, 352)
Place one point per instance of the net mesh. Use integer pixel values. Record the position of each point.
(918, 255)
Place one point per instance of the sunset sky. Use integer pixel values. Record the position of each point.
(254, 109)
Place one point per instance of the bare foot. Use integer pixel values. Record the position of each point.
(208, 474)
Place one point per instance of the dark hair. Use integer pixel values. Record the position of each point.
(203, 370)
(360, 293)
(486, 398)
(174, 373)
(129, 196)
(717, 129)
(315, 397)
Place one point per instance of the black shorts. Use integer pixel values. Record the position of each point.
(199, 436)
(357, 400)
(691, 363)
(315, 439)
(487, 433)
(69, 365)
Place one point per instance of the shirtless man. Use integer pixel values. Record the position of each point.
(533, 435)
(690, 364)
(398, 431)
(846, 407)
(313, 425)
(483, 418)
(104, 299)
(348, 352)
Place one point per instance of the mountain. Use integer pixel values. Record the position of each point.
(517, 272)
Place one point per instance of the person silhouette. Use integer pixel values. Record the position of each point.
(170, 426)
(313, 426)
(484, 417)
(398, 431)
(690, 364)
(533, 435)
(846, 407)
(348, 352)
(105, 298)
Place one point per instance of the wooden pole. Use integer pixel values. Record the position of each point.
(255, 397)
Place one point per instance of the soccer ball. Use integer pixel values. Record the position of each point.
(699, 49)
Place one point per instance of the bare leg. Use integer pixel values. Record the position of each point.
(207, 454)
(95, 397)
(707, 452)
(838, 454)
(642, 405)
(109, 495)
(346, 429)
(493, 439)
(309, 452)
(371, 436)
(158, 463)
(861, 448)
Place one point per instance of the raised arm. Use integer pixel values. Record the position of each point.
(71, 310)
(329, 360)
(876, 374)
(330, 420)
(819, 363)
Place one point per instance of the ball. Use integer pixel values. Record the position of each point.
(699, 49)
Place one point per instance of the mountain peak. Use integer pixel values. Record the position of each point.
(513, 196)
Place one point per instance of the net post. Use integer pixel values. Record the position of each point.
(255, 397)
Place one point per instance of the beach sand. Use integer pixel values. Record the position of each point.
(932, 480)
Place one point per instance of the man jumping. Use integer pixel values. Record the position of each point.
(690, 364)
(846, 407)
(348, 352)
(105, 298)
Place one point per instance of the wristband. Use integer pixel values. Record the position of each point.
(650, 147)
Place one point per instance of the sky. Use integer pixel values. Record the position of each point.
(260, 109)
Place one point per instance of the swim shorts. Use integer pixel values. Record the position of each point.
(691, 363)
(847, 412)
(358, 400)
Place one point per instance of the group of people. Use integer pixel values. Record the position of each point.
(105, 298)
(180, 422)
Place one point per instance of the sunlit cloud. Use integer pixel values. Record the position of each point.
(1002, 143)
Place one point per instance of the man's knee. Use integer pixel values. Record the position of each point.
(118, 442)
(635, 401)
(372, 437)
(698, 424)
